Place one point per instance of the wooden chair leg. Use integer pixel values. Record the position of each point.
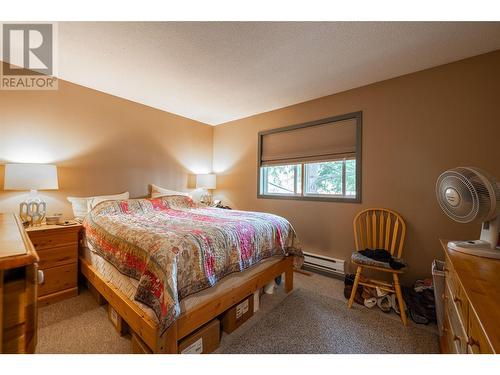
(355, 286)
(401, 303)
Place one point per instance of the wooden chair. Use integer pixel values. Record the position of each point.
(379, 228)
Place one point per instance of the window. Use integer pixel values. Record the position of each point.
(335, 178)
(331, 178)
(315, 161)
(282, 179)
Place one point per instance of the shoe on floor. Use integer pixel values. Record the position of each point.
(370, 302)
(395, 304)
(357, 297)
(368, 292)
(384, 303)
(381, 292)
(349, 279)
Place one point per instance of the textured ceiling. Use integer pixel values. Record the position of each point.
(216, 72)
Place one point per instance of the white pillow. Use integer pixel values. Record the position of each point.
(79, 206)
(91, 203)
(82, 205)
(157, 191)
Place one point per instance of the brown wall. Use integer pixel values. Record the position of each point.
(101, 144)
(414, 128)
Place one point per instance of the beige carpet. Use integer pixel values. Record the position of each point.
(79, 325)
(309, 323)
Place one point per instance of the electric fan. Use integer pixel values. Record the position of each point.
(470, 195)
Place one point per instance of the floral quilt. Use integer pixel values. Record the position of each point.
(175, 247)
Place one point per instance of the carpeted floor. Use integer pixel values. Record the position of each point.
(306, 322)
(78, 325)
(313, 319)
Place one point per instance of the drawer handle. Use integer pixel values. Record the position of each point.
(41, 277)
(457, 300)
(457, 338)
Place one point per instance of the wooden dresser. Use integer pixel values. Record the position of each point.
(18, 288)
(471, 304)
(57, 247)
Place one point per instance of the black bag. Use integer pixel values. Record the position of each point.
(421, 305)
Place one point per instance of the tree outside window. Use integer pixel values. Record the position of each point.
(335, 178)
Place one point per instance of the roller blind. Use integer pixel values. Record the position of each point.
(323, 142)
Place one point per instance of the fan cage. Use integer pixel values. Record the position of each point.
(479, 193)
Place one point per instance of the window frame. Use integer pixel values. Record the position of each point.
(358, 116)
(295, 193)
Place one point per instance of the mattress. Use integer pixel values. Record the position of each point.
(128, 285)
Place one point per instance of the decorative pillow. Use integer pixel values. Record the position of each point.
(157, 191)
(82, 205)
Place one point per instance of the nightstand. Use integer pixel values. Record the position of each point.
(57, 247)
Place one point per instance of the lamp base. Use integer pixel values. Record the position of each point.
(33, 209)
(206, 198)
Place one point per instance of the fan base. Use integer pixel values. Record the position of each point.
(478, 248)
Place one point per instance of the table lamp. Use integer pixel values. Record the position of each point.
(206, 182)
(31, 177)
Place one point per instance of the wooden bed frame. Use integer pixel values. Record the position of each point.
(146, 328)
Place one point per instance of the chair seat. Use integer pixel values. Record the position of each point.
(363, 260)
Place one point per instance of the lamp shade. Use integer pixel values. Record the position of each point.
(30, 177)
(206, 181)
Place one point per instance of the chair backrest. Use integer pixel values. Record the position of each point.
(379, 228)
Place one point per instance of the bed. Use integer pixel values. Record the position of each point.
(168, 265)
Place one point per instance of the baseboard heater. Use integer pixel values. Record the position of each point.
(324, 265)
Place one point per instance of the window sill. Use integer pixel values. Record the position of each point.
(310, 198)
